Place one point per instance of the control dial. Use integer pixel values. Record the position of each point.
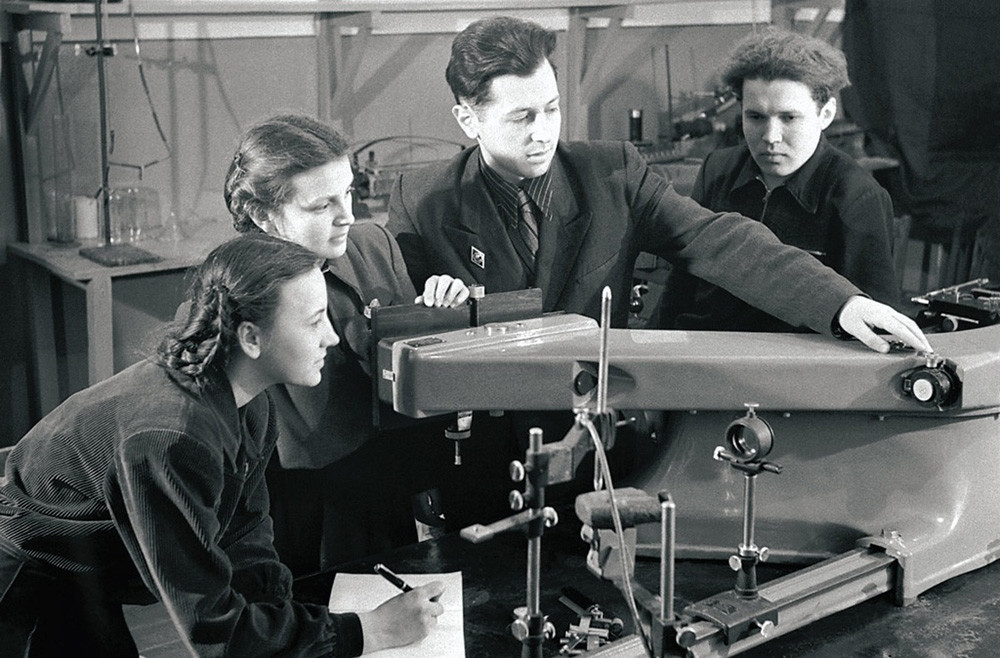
(932, 385)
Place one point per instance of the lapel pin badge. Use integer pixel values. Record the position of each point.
(478, 258)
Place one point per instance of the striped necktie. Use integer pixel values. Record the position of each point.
(526, 234)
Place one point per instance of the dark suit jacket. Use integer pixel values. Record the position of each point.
(445, 222)
(320, 424)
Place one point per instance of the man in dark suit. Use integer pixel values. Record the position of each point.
(524, 209)
(593, 207)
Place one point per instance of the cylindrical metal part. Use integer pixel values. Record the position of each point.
(535, 440)
(746, 578)
(534, 487)
(602, 362)
(668, 522)
(531, 645)
(102, 94)
(534, 575)
(535, 437)
(749, 508)
(476, 292)
(602, 379)
(635, 125)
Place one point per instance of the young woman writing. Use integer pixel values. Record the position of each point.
(150, 486)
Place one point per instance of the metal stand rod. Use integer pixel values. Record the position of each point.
(462, 429)
(102, 93)
(668, 523)
(531, 645)
(748, 554)
(602, 381)
(602, 358)
(749, 508)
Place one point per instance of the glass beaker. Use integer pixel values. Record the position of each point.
(86, 218)
(150, 217)
(59, 192)
(124, 215)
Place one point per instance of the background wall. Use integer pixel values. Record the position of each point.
(206, 91)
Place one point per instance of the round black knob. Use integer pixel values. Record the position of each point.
(932, 386)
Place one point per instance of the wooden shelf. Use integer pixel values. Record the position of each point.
(65, 261)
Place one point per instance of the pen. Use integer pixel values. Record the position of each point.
(387, 573)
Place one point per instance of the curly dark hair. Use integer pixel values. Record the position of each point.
(776, 54)
(239, 281)
(492, 47)
(268, 156)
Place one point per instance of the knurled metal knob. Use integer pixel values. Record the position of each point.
(516, 470)
(519, 629)
(766, 628)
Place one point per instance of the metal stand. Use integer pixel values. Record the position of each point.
(530, 625)
(461, 429)
(750, 439)
(544, 465)
(533, 629)
(748, 615)
(603, 559)
(102, 95)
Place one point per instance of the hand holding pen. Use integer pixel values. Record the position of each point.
(398, 582)
(402, 619)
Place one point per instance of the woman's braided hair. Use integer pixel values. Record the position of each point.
(268, 156)
(240, 281)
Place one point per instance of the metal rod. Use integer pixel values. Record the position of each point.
(531, 644)
(749, 509)
(604, 424)
(670, 96)
(602, 363)
(535, 540)
(102, 92)
(534, 575)
(668, 523)
(477, 292)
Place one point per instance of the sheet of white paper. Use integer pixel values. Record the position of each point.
(353, 592)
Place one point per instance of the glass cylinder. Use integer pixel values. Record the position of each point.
(148, 216)
(59, 192)
(124, 216)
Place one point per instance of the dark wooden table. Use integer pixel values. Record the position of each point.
(956, 618)
(494, 575)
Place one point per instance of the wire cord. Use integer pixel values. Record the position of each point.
(616, 518)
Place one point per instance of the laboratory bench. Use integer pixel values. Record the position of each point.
(954, 619)
(54, 333)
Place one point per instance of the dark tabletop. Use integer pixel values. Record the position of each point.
(494, 575)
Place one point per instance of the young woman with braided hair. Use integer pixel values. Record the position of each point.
(150, 486)
(339, 489)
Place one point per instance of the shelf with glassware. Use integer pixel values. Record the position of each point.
(46, 264)
(340, 30)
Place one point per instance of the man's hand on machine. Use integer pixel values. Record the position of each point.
(443, 290)
(860, 316)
